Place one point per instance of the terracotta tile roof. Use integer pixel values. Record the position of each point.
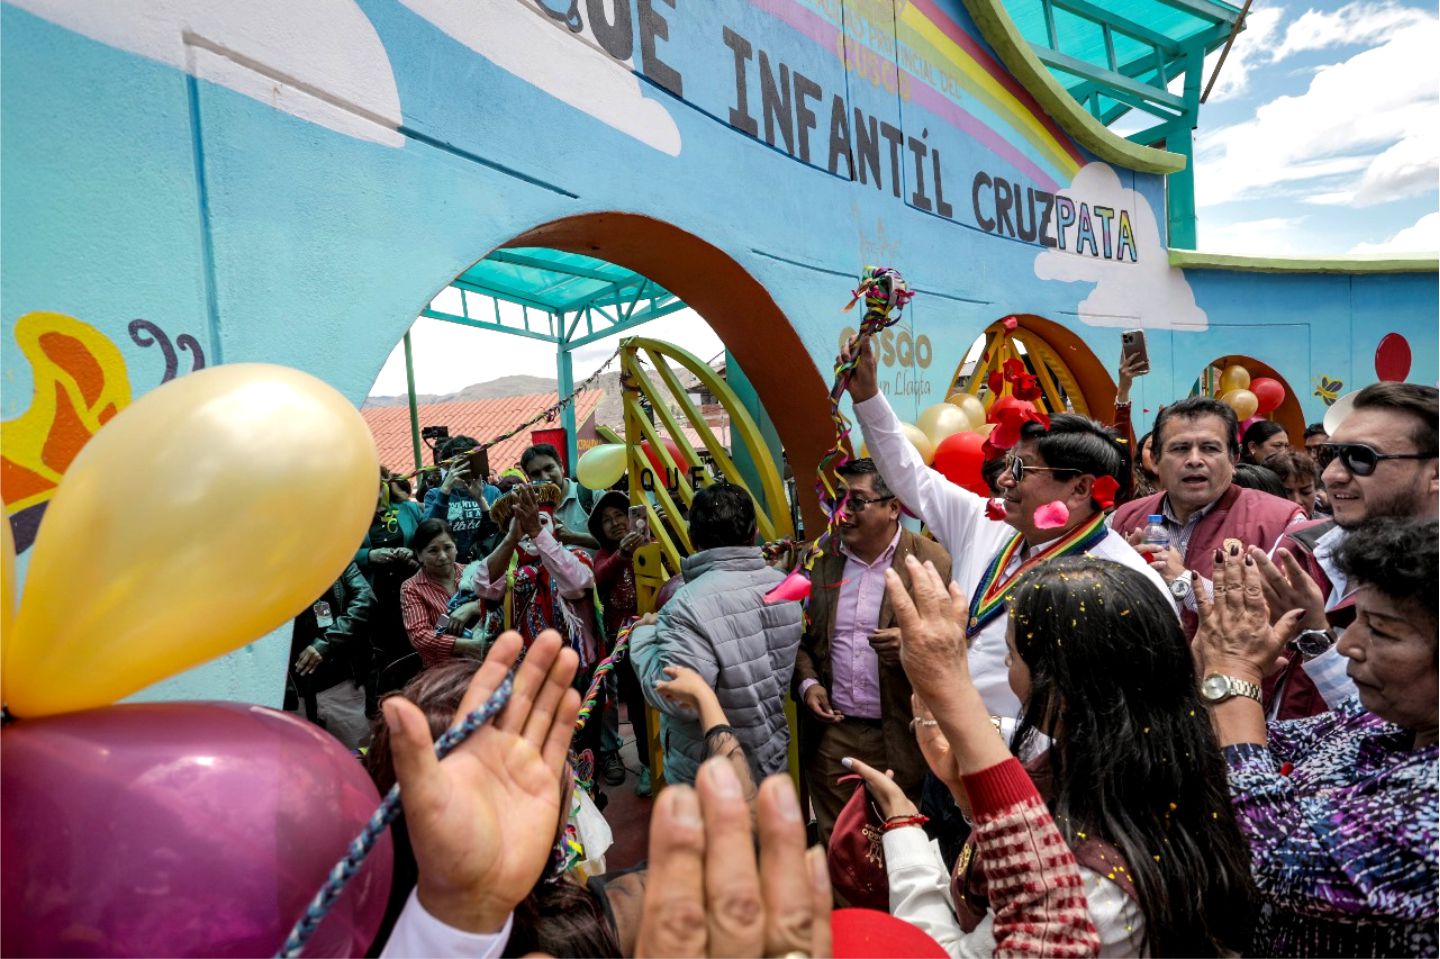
(482, 419)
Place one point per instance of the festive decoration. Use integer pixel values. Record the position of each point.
(601, 467)
(1338, 410)
(959, 459)
(1269, 394)
(1327, 389)
(189, 829)
(989, 598)
(1053, 515)
(922, 443)
(971, 406)
(1103, 491)
(140, 573)
(885, 295)
(606, 666)
(793, 588)
(1234, 377)
(1392, 358)
(995, 510)
(1242, 401)
(942, 420)
(657, 462)
(1010, 416)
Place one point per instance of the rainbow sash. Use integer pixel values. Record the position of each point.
(989, 598)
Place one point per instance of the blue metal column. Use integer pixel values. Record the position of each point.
(564, 386)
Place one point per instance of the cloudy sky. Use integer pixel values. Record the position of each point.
(1322, 136)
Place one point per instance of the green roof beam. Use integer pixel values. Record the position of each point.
(496, 291)
(1137, 31)
(1206, 9)
(488, 325)
(1109, 78)
(549, 266)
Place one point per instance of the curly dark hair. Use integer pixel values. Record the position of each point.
(1397, 556)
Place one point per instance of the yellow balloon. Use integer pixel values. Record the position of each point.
(942, 420)
(985, 429)
(971, 406)
(919, 440)
(601, 467)
(1234, 377)
(200, 518)
(1243, 402)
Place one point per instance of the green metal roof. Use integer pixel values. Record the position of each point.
(1114, 56)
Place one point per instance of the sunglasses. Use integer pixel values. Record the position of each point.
(1358, 458)
(1017, 469)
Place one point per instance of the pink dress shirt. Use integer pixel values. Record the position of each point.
(854, 665)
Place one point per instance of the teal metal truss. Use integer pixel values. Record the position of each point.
(566, 299)
(1145, 56)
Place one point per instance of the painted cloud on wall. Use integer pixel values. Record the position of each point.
(571, 67)
(1147, 292)
(320, 60)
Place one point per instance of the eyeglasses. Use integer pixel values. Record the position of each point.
(858, 503)
(1017, 469)
(1358, 458)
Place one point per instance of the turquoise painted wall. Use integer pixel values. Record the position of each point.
(294, 182)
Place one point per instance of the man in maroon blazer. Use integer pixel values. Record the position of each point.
(1196, 448)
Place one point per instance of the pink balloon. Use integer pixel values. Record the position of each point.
(1269, 392)
(181, 829)
(959, 457)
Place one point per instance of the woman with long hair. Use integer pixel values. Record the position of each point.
(1118, 742)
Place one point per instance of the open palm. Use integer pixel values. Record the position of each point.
(483, 820)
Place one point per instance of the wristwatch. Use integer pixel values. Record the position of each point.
(1316, 642)
(1180, 586)
(1217, 687)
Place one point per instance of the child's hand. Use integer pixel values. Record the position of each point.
(685, 687)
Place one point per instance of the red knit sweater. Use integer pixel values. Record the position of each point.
(1033, 882)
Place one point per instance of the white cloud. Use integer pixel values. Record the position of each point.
(1251, 48)
(1352, 113)
(1421, 237)
(320, 61)
(1356, 23)
(1147, 292)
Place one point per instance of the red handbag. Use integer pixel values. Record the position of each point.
(857, 853)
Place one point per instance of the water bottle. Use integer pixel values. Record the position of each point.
(1156, 538)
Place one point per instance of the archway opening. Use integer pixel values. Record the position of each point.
(1288, 414)
(1069, 374)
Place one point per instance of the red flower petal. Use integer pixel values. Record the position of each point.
(996, 381)
(994, 510)
(1052, 515)
(1103, 491)
(795, 587)
(1014, 368)
(1010, 323)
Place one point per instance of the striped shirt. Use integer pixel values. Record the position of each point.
(422, 602)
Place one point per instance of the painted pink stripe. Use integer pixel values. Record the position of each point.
(922, 93)
(997, 70)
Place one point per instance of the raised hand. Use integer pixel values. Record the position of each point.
(932, 634)
(864, 382)
(1236, 637)
(707, 896)
(1287, 586)
(483, 820)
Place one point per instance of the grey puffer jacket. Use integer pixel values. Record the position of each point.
(719, 625)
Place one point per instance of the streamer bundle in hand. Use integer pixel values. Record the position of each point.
(607, 666)
(885, 294)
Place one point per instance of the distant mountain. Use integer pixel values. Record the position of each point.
(518, 385)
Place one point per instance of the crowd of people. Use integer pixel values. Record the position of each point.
(1177, 695)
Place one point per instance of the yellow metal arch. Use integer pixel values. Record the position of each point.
(1039, 357)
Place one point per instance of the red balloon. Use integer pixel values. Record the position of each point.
(959, 457)
(1392, 358)
(181, 829)
(1270, 393)
(657, 463)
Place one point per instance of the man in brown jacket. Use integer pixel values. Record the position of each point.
(847, 673)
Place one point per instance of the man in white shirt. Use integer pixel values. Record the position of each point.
(1061, 464)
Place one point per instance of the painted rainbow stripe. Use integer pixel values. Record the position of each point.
(1048, 156)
